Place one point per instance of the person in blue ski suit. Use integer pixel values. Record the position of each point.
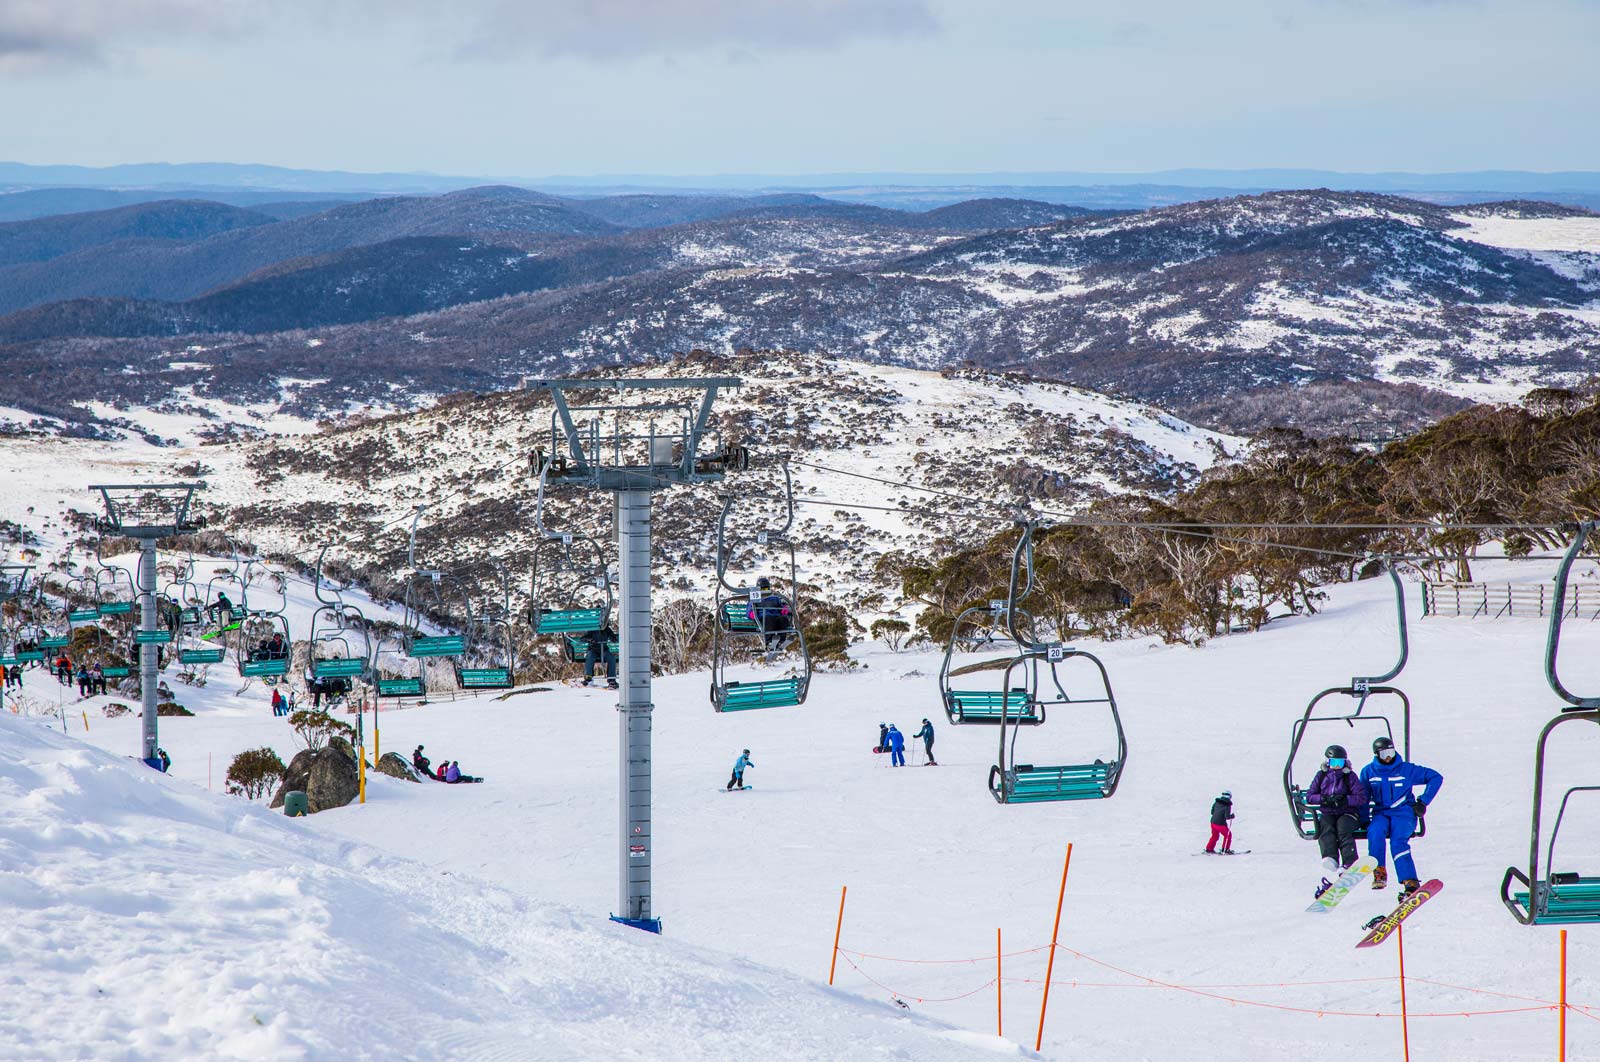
(1395, 810)
(744, 760)
(897, 747)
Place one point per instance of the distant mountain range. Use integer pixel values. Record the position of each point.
(1328, 310)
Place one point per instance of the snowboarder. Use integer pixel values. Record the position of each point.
(166, 761)
(423, 765)
(1340, 798)
(771, 612)
(926, 734)
(597, 650)
(883, 738)
(1221, 812)
(744, 760)
(453, 775)
(1389, 781)
(897, 747)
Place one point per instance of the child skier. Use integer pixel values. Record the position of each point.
(1389, 781)
(1221, 812)
(1340, 797)
(744, 760)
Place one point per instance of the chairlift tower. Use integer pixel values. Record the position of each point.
(147, 512)
(601, 446)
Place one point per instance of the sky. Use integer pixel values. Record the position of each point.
(537, 88)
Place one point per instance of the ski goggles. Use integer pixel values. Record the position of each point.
(1388, 755)
(1337, 762)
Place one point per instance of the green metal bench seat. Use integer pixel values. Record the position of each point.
(570, 620)
(116, 672)
(774, 693)
(578, 649)
(436, 645)
(1027, 784)
(400, 687)
(29, 655)
(60, 642)
(986, 706)
(265, 668)
(200, 656)
(83, 615)
(337, 667)
(1308, 818)
(115, 608)
(736, 617)
(484, 678)
(1566, 899)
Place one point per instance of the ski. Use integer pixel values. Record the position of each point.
(1360, 869)
(1381, 928)
(1236, 851)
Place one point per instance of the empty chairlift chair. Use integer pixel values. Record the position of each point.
(1558, 897)
(966, 703)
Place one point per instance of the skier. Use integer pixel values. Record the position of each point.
(926, 734)
(1340, 797)
(1389, 781)
(897, 747)
(1221, 812)
(277, 702)
(744, 760)
(770, 611)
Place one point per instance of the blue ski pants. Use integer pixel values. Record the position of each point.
(1394, 826)
(897, 758)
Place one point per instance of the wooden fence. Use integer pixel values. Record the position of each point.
(1500, 600)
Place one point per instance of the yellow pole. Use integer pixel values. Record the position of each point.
(86, 721)
(377, 741)
(361, 769)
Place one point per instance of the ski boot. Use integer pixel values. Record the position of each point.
(1227, 851)
(587, 682)
(1330, 865)
(1407, 887)
(1324, 887)
(1380, 878)
(611, 684)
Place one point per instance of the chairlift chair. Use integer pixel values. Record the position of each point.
(969, 705)
(1363, 690)
(1012, 782)
(1557, 897)
(738, 625)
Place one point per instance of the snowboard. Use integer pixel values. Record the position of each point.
(736, 789)
(1359, 871)
(1381, 928)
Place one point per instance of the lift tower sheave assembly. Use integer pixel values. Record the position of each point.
(633, 448)
(146, 512)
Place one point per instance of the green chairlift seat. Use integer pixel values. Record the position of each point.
(421, 646)
(773, 693)
(1028, 784)
(201, 656)
(736, 617)
(986, 706)
(400, 687)
(1565, 899)
(337, 667)
(116, 672)
(265, 668)
(1308, 818)
(31, 655)
(484, 678)
(83, 615)
(58, 642)
(569, 620)
(578, 649)
(115, 608)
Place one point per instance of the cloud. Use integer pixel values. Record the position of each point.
(613, 29)
(44, 33)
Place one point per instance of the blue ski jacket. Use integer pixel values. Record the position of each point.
(897, 740)
(1389, 784)
(741, 763)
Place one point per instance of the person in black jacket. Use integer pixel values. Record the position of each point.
(1221, 812)
(597, 650)
(926, 734)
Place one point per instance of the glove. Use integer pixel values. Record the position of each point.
(1421, 809)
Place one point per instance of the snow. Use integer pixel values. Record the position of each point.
(1531, 234)
(132, 868)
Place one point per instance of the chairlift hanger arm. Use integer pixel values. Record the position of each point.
(1553, 640)
(1361, 683)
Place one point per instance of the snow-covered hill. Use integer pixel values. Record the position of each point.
(1167, 954)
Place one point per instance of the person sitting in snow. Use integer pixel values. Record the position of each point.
(453, 775)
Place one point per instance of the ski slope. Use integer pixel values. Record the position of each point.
(933, 865)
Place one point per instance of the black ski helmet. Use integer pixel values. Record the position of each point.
(1381, 743)
(763, 583)
(1335, 752)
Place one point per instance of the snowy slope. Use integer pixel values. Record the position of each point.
(933, 865)
(144, 918)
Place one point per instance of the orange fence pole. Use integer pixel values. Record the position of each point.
(999, 1006)
(1405, 1016)
(837, 926)
(1563, 1055)
(1054, 933)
